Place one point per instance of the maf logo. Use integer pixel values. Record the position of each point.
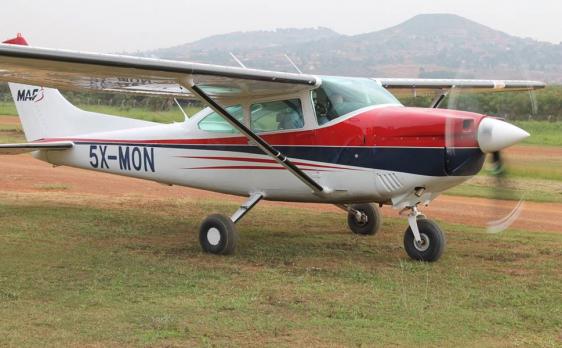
(35, 95)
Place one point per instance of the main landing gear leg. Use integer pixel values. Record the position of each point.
(218, 234)
(423, 240)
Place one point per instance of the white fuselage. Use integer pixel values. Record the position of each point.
(157, 153)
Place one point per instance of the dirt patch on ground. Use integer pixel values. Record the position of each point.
(534, 151)
(519, 184)
(24, 174)
(9, 120)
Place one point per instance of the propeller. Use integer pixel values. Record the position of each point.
(493, 136)
(500, 174)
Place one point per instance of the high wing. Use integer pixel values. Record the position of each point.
(115, 73)
(402, 87)
(211, 83)
(16, 149)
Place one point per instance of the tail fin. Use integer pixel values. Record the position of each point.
(45, 113)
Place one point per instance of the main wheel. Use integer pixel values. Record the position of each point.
(218, 235)
(432, 242)
(369, 223)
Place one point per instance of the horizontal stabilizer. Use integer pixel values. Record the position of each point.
(15, 149)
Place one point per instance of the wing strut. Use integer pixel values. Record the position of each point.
(439, 99)
(262, 144)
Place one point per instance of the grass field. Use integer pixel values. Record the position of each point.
(542, 133)
(11, 133)
(172, 115)
(519, 189)
(8, 108)
(85, 270)
(80, 271)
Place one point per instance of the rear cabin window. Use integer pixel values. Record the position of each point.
(276, 116)
(215, 123)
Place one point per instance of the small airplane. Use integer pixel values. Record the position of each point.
(263, 135)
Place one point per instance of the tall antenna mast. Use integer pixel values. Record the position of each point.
(182, 110)
(293, 64)
(237, 60)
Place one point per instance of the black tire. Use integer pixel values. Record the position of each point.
(369, 227)
(218, 235)
(434, 238)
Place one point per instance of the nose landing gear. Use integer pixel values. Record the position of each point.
(423, 239)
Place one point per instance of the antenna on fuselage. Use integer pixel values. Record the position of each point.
(181, 109)
(237, 60)
(293, 64)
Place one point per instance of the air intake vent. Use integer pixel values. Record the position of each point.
(389, 182)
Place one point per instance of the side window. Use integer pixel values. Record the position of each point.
(276, 115)
(217, 124)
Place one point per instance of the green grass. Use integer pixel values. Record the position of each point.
(51, 187)
(533, 162)
(542, 133)
(169, 116)
(485, 191)
(8, 108)
(11, 134)
(548, 169)
(529, 178)
(130, 273)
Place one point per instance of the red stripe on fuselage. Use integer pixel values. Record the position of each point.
(251, 167)
(384, 127)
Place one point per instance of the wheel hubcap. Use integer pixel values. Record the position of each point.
(361, 218)
(423, 245)
(213, 236)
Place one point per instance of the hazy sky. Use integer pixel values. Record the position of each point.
(129, 25)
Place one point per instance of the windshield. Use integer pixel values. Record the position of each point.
(339, 96)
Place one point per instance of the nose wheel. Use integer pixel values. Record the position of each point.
(423, 240)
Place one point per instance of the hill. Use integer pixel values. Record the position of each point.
(429, 45)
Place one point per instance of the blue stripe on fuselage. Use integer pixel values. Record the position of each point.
(413, 160)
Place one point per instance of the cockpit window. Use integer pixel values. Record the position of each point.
(340, 96)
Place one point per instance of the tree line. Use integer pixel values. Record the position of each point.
(542, 105)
